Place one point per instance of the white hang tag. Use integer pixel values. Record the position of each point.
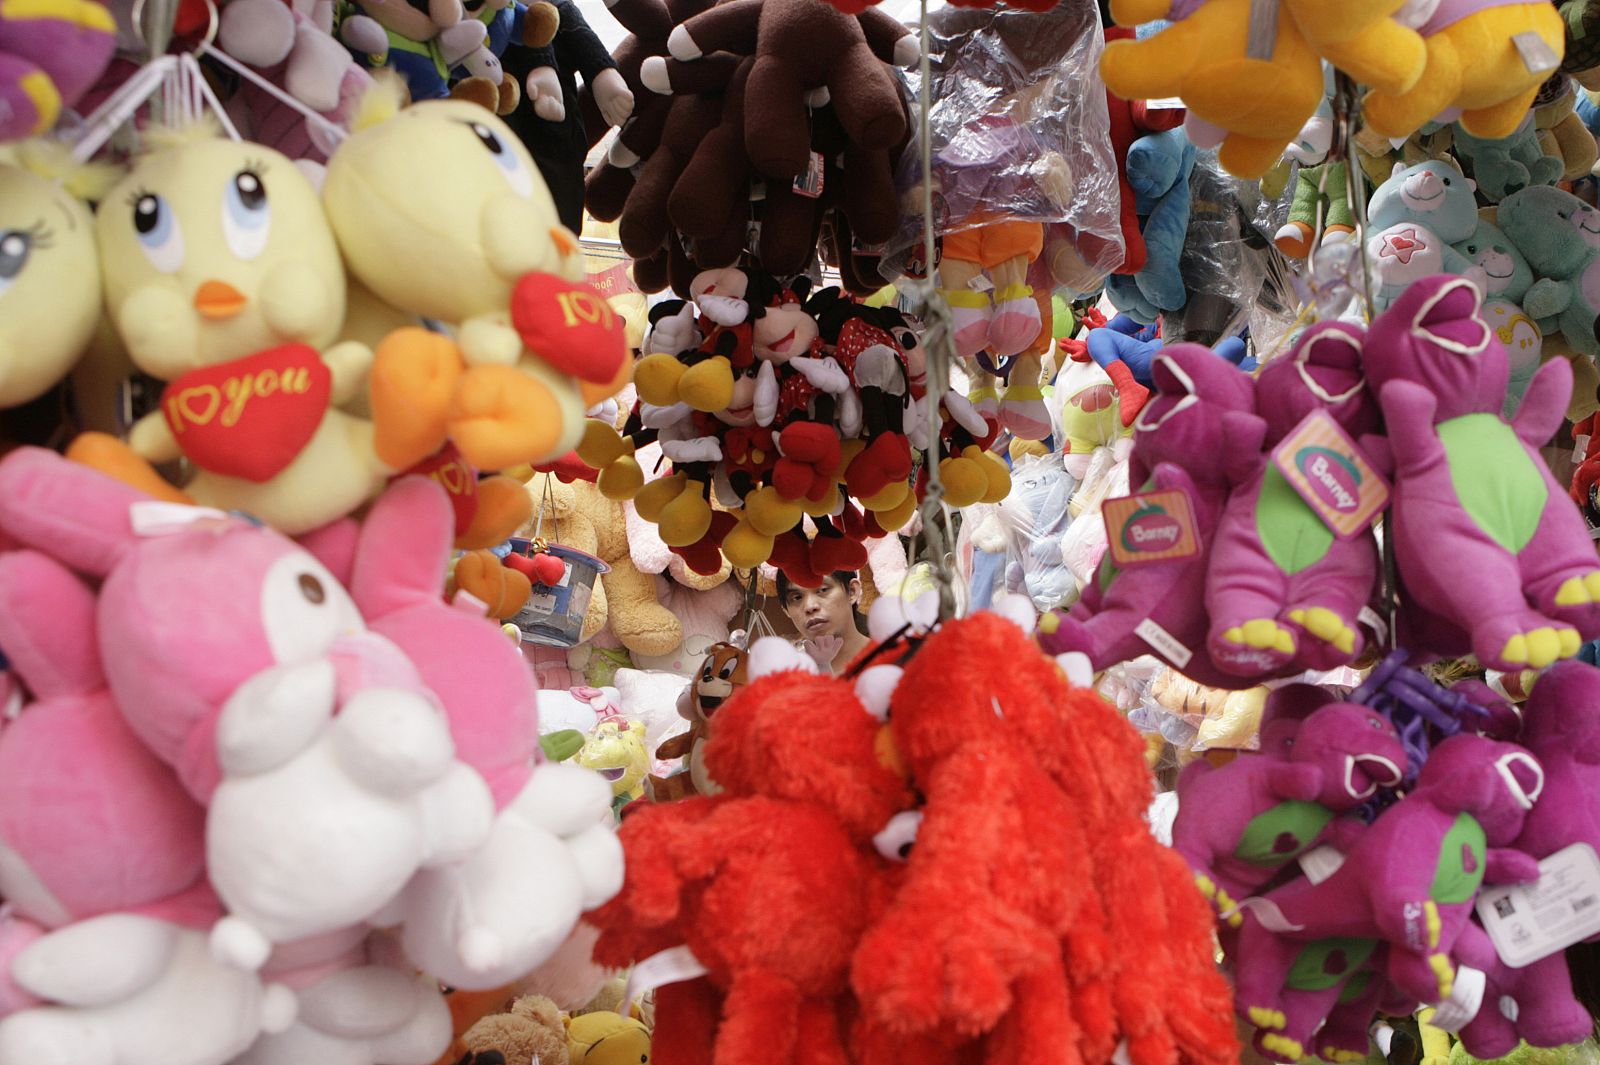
(1319, 863)
(1537, 56)
(1580, 447)
(1163, 642)
(1466, 999)
(1528, 922)
(1374, 620)
(158, 518)
(981, 283)
(671, 966)
(1166, 103)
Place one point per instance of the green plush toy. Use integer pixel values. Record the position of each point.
(1507, 279)
(1559, 235)
(1585, 1053)
(1504, 166)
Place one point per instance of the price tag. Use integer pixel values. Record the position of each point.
(1164, 643)
(1332, 475)
(1319, 863)
(1150, 527)
(1528, 922)
(809, 183)
(669, 967)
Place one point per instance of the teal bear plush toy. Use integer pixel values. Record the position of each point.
(1505, 166)
(1415, 218)
(1506, 280)
(1559, 235)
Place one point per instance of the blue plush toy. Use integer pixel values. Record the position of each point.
(1415, 218)
(1126, 350)
(1504, 166)
(1158, 169)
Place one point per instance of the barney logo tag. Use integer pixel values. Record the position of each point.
(1151, 527)
(1332, 475)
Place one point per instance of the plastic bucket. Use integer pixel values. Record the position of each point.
(554, 613)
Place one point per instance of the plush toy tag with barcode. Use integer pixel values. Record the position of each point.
(1151, 527)
(809, 182)
(1333, 476)
(1528, 922)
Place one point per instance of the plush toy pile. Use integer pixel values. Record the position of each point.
(791, 98)
(256, 786)
(1378, 914)
(776, 405)
(858, 882)
(1484, 61)
(1274, 587)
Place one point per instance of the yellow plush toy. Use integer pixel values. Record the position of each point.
(441, 212)
(1205, 59)
(606, 1038)
(49, 272)
(1475, 63)
(222, 278)
(1362, 38)
(616, 750)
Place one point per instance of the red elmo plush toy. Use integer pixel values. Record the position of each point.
(770, 884)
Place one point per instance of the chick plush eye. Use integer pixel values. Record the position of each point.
(246, 214)
(15, 247)
(160, 236)
(516, 175)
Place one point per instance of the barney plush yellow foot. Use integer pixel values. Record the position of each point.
(1326, 626)
(1440, 964)
(503, 506)
(1285, 1048)
(414, 374)
(1264, 1018)
(502, 417)
(1575, 591)
(115, 459)
(1541, 647)
(1262, 633)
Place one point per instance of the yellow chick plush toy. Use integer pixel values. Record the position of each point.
(49, 276)
(222, 278)
(440, 211)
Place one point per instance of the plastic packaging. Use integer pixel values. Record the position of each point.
(1019, 131)
(1221, 270)
(1036, 518)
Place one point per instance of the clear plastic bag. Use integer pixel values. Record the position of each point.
(1221, 269)
(1036, 520)
(1019, 132)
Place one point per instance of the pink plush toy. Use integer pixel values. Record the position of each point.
(1282, 588)
(1197, 434)
(327, 770)
(1240, 825)
(1486, 541)
(102, 859)
(550, 853)
(1409, 882)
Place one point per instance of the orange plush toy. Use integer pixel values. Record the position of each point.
(771, 884)
(1036, 906)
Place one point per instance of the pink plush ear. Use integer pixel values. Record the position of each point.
(404, 548)
(70, 512)
(334, 545)
(47, 626)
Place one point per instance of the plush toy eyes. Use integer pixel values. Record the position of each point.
(246, 215)
(15, 247)
(159, 233)
(517, 176)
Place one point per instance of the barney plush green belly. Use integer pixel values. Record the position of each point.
(1495, 478)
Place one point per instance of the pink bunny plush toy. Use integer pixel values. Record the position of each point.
(551, 853)
(327, 770)
(102, 864)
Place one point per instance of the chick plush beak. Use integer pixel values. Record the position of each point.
(218, 300)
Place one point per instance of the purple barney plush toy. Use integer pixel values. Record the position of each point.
(1239, 826)
(1281, 588)
(1562, 730)
(1408, 884)
(1486, 541)
(1197, 434)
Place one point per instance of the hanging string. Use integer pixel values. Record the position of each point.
(938, 342)
(1345, 108)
